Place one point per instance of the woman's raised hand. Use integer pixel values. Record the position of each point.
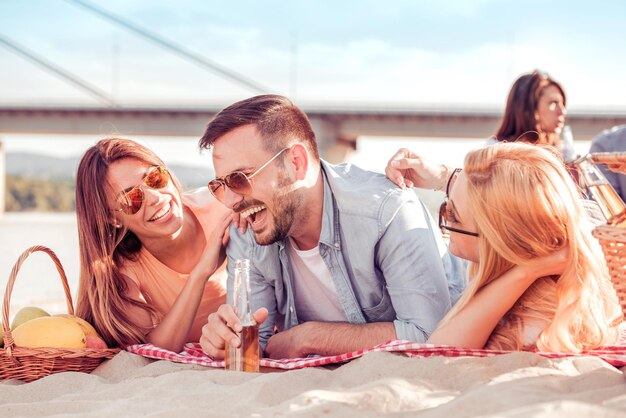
(215, 250)
(553, 264)
(240, 224)
(407, 169)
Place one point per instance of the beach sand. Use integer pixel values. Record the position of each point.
(512, 385)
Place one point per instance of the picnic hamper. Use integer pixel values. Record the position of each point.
(612, 238)
(28, 364)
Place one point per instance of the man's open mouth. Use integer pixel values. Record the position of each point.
(250, 214)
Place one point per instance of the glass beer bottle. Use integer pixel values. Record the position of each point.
(244, 358)
(611, 205)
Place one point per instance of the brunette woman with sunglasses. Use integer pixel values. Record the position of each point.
(537, 278)
(151, 256)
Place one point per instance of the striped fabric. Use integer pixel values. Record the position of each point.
(192, 354)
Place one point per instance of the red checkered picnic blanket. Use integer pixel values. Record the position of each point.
(193, 354)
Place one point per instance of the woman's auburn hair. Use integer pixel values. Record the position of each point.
(526, 205)
(519, 121)
(102, 298)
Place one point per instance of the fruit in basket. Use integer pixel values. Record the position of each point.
(50, 331)
(88, 329)
(94, 341)
(26, 314)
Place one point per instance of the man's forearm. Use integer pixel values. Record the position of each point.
(330, 338)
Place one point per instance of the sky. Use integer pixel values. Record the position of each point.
(433, 52)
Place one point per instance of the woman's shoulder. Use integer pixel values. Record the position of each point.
(205, 207)
(197, 197)
(201, 200)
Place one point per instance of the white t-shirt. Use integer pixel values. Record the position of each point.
(315, 293)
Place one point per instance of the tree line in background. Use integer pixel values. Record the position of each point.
(39, 195)
(41, 183)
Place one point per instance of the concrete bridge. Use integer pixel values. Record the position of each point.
(337, 126)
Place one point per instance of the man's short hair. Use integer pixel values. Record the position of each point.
(277, 119)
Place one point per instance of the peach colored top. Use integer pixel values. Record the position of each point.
(159, 286)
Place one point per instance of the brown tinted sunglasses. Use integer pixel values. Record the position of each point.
(131, 200)
(237, 181)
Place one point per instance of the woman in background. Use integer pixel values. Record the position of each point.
(537, 278)
(150, 255)
(535, 113)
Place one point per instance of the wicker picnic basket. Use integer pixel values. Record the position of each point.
(613, 239)
(28, 364)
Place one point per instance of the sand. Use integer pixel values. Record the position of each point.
(378, 384)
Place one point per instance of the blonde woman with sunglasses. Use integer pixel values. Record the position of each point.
(537, 278)
(151, 256)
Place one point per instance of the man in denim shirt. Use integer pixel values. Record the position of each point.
(341, 259)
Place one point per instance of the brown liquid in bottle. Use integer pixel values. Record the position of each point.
(246, 357)
(610, 204)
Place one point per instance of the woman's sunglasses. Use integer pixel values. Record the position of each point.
(131, 201)
(237, 181)
(443, 211)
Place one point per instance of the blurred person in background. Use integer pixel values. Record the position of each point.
(537, 277)
(535, 113)
(612, 140)
(151, 256)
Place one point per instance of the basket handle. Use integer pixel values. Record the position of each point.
(8, 338)
(615, 161)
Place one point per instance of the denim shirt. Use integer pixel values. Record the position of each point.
(385, 255)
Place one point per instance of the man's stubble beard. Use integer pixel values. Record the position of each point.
(287, 204)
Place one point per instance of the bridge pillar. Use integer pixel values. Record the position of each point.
(331, 145)
(2, 179)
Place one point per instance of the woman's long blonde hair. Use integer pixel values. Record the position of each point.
(103, 247)
(526, 205)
